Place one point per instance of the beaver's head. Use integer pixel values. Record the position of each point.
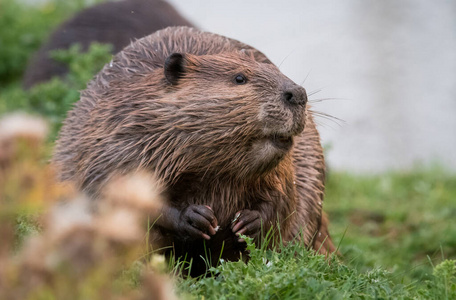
(232, 114)
(182, 102)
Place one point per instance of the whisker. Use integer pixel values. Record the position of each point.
(313, 92)
(305, 78)
(323, 124)
(325, 115)
(324, 99)
(328, 117)
(283, 60)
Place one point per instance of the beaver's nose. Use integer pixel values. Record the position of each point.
(295, 95)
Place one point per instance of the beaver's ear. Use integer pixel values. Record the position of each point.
(175, 67)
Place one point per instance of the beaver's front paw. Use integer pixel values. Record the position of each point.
(247, 222)
(197, 221)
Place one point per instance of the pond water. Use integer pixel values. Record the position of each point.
(389, 67)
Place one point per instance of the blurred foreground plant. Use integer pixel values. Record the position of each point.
(80, 253)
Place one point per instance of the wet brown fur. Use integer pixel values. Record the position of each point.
(204, 137)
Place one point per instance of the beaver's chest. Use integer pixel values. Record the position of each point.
(224, 199)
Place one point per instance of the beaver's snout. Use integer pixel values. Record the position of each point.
(295, 98)
(294, 95)
(284, 117)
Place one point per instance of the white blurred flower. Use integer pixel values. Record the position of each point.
(140, 191)
(22, 125)
(122, 225)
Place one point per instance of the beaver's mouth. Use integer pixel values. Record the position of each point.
(281, 141)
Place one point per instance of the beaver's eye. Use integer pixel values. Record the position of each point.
(240, 79)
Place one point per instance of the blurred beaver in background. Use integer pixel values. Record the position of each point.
(117, 23)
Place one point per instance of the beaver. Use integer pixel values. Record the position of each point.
(228, 135)
(115, 23)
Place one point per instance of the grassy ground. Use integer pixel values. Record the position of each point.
(403, 222)
(395, 229)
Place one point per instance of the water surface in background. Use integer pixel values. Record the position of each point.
(390, 65)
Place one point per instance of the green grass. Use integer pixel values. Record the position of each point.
(397, 238)
(399, 221)
(297, 273)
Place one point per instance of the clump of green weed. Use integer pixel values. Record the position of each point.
(54, 98)
(442, 285)
(23, 27)
(292, 272)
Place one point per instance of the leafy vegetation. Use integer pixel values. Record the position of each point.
(24, 27)
(396, 230)
(54, 98)
(296, 273)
